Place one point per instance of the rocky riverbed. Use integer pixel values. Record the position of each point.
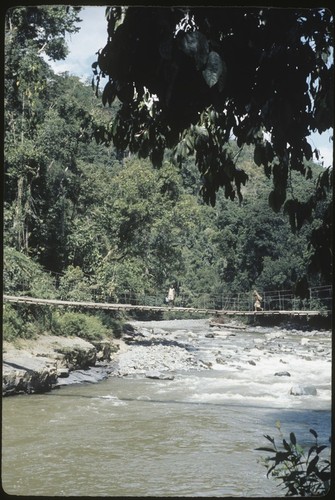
(161, 349)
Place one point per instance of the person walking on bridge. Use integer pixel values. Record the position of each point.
(171, 296)
(258, 301)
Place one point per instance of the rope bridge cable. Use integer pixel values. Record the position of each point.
(219, 301)
(274, 302)
(126, 307)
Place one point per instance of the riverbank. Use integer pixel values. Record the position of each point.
(48, 362)
(159, 350)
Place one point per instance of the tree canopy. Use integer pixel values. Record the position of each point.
(193, 78)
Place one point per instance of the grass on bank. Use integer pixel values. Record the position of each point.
(30, 321)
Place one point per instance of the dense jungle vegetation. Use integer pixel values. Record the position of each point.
(84, 219)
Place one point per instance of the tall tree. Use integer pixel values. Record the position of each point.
(30, 34)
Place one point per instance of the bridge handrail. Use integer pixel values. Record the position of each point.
(124, 307)
(281, 300)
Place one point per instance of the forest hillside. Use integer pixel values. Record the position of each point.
(84, 220)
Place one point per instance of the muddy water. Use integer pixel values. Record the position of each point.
(192, 436)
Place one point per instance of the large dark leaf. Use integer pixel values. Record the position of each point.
(104, 57)
(312, 465)
(215, 69)
(286, 445)
(109, 93)
(282, 456)
(293, 438)
(276, 199)
(269, 438)
(259, 154)
(195, 45)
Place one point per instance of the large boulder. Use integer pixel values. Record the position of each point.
(24, 373)
(307, 390)
(35, 365)
(282, 374)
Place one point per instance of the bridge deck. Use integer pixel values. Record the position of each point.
(128, 307)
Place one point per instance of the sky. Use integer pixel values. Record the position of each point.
(93, 36)
(84, 44)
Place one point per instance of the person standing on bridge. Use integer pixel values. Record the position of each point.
(171, 296)
(258, 301)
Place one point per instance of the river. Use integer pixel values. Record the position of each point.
(194, 435)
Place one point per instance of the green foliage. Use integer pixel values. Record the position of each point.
(12, 324)
(224, 71)
(25, 277)
(299, 472)
(20, 323)
(82, 325)
(73, 285)
(113, 321)
(256, 245)
(43, 27)
(46, 118)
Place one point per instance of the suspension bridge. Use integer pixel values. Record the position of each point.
(275, 303)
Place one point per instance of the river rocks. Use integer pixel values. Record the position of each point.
(155, 374)
(63, 372)
(91, 375)
(159, 331)
(167, 350)
(220, 360)
(162, 356)
(33, 366)
(298, 390)
(206, 359)
(282, 374)
(128, 328)
(77, 357)
(104, 349)
(206, 364)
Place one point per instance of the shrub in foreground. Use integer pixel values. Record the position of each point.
(300, 472)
